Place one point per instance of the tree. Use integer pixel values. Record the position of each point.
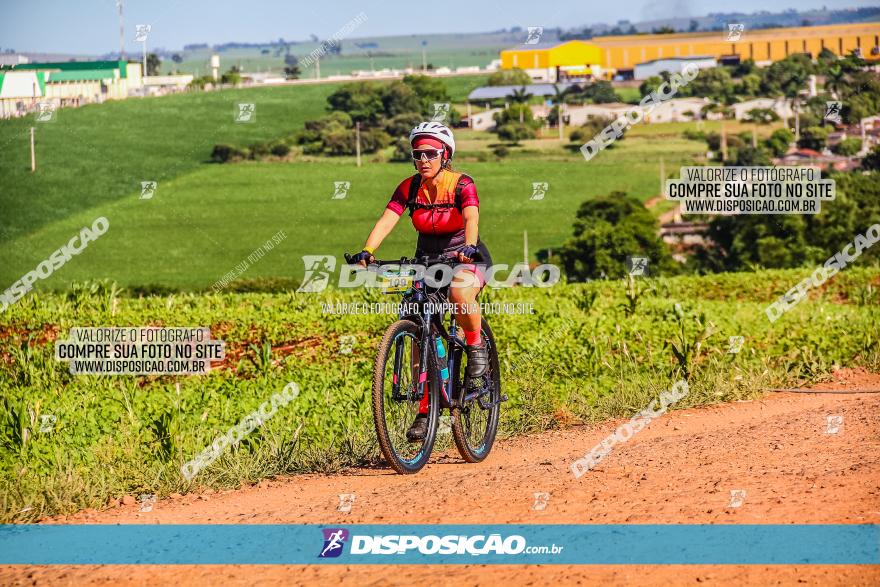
(600, 92)
(871, 162)
(232, 76)
(714, 83)
(813, 137)
(606, 231)
(361, 100)
(153, 64)
(510, 77)
(778, 143)
(787, 76)
(749, 85)
(430, 91)
(848, 146)
(519, 95)
(399, 98)
(176, 58)
(650, 85)
(750, 156)
(292, 72)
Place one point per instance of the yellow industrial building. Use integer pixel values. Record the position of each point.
(604, 55)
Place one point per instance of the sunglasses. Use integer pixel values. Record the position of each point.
(426, 154)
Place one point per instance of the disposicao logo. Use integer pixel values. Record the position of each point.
(334, 539)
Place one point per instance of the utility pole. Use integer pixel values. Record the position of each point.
(723, 143)
(471, 122)
(424, 57)
(119, 4)
(357, 146)
(33, 153)
(662, 176)
(318, 68)
(561, 122)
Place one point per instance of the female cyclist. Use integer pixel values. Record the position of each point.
(445, 211)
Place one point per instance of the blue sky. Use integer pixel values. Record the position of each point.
(91, 26)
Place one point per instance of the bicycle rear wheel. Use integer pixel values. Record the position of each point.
(475, 419)
(396, 400)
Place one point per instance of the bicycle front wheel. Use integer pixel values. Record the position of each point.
(475, 419)
(396, 398)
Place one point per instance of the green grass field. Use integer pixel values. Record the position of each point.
(206, 217)
(581, 357)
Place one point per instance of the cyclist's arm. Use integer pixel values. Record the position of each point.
(471, 216)
(383, 227)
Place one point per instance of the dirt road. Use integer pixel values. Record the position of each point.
(682, 468)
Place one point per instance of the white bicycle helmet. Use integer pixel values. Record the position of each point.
(435, 130)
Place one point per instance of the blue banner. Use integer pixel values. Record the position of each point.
(845, 544)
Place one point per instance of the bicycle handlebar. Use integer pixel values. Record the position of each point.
(452, 261)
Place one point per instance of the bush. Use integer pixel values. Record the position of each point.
(848, 147)
(694, 135)
(510, 77)
(259, 150)
(515, 132)
(501, 151)
(588, 130)
(402, 150)
(225, 153)
(279, 149)
(762, 115)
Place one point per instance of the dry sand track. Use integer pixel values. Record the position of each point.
(679, 469)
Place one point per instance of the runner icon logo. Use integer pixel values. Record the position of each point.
(340, 189)
(736, 344)
(535, 33)
(737, 498)
(334, 539)
(833, 424)
(318, 270)
(735, 31)
(346, 500)
(539, 190)
(148, 189)
(441, 112)
(832, 111)
(637, 266)
(541, 501)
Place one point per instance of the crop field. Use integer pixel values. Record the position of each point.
(399, 52)
(125, 435)
(205, 217)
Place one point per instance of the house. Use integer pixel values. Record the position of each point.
(483, 120)
(817, 160)
(780, 106)
(655, 67)
(677, 110)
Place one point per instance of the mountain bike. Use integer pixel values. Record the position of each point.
(412, 361)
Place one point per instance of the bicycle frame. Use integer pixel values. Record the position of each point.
(426, 318)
